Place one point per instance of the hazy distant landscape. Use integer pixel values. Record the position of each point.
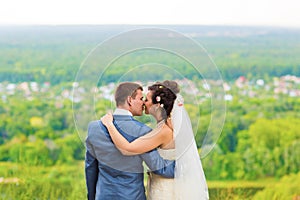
(41, 149)
(44, 53)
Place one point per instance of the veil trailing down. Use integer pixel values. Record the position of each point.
(190, 182)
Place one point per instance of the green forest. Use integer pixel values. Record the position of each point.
(42, 148)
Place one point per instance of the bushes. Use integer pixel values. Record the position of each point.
(287, 188)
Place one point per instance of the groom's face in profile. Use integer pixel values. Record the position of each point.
(137, 104)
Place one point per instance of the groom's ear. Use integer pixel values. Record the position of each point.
(129, 101)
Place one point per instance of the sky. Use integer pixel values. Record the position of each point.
(283, 13)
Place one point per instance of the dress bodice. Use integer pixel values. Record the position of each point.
(160, 188)
(168, 154)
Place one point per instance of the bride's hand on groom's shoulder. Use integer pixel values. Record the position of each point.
(107, 119)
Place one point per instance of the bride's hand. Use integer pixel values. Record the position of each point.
(107, 119)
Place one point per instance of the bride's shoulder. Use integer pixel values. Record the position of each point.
(167, 138)
(167, 130)
(163, 129)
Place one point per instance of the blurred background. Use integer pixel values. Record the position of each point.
(255, 46)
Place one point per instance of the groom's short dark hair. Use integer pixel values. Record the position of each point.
(124, 90)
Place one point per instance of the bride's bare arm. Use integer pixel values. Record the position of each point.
(141, 145)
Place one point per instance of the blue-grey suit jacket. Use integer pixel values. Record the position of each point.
(111, 175)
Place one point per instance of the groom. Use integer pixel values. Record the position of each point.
(109, 174)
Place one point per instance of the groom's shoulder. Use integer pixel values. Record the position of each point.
(141, 125)
(95, 129)
(129, 121)
(137, 123)
(95, 125)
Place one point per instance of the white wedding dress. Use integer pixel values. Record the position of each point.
(189, 182)
(158, 187)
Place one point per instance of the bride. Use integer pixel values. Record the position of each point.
(174, 139)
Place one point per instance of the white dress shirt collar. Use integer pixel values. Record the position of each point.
(120, 111)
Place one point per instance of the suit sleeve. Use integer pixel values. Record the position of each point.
(158, 165)
(91, 171)
(91, 175)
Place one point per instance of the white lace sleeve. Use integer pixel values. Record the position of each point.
(190, 182)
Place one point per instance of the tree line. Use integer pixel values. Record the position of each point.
(260, 137)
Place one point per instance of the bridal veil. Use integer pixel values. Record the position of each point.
(190, 182)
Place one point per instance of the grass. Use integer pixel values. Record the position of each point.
(234, 190)
(40, 183)
(241, 184)
(66, 182)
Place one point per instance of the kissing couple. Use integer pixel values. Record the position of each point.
(118, 145)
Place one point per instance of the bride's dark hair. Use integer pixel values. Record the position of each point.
(165, 94)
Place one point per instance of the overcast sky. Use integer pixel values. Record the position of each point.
(199, 12)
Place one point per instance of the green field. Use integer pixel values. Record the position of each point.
(67, 182)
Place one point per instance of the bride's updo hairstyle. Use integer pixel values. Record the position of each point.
(165, 94)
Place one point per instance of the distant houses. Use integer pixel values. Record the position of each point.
(286, 85)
